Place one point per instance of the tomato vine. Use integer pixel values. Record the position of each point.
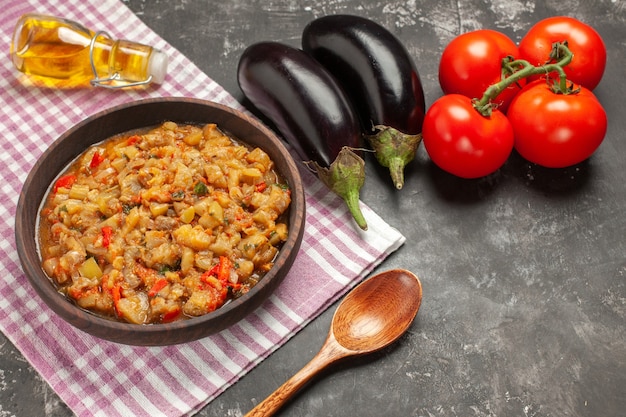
(515, 70)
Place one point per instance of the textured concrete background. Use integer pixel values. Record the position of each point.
(524, 300)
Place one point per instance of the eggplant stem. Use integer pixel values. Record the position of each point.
(394, 150)
(345, 177)
(396, 170)
(352, 201)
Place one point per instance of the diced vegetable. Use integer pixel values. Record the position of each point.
(90, 269)
(96, 160)
(79, 191)
(107, 233)
(65, 181)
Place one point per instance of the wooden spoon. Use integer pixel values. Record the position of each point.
(372, 316)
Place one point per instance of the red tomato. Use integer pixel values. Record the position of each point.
(587, 66)
(473, 61)
(463, 142)
(556, 130)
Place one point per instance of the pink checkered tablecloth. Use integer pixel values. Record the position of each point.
(100, 378)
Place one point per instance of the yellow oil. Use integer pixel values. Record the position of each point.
(60, 49)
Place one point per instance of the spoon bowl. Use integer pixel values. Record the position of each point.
(372, 316)
(377, 312)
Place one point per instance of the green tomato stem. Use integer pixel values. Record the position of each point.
(519, 69)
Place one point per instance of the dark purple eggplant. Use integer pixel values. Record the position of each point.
(381, 80)
(311, 112)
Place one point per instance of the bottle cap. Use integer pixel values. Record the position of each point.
(157, 66)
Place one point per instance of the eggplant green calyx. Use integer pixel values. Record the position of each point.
(394, 150)
(515, 70)
(345, 177)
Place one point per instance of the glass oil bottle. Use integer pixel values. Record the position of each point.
(70, 54)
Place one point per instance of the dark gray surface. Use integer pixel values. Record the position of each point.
(524, 302)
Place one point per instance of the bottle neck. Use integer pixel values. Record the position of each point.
(122, 59)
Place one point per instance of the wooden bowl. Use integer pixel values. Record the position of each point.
(120, 119)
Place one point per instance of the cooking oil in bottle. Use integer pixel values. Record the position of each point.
(65, 51)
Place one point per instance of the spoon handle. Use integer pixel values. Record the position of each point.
(330, 352)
